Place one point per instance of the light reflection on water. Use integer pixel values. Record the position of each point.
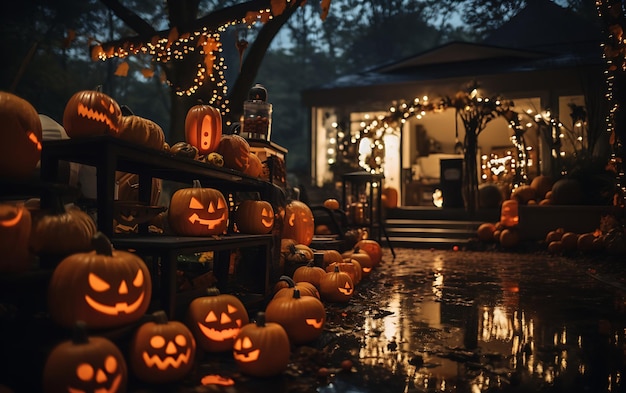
(479, 339)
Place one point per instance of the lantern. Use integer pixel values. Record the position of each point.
(302, 317)
(203, 128)
(198, 211)
(215, 320)
(336, 286)
(254, 217)
(85, 364)
(509, 213)
(105, 288)
(90, 113)
(262, 349)
(20, 150)
(236, 152)
(15, 228)
(299, 224)
(162, 350)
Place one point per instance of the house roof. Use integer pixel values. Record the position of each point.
(542, 37)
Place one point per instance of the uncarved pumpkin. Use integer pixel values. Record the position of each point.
(236, 152)
(21, 134)
(142, 131)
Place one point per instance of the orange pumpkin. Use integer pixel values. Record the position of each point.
(373, 248)
(109, 288)
(309, 273)
(198, 211)
(142, 131)
(299, 224)
(284, 283)
(331, 204)
(302, 317)
(20, 149)
(236, 152)
(203, 128)
(255, 166)
(90, 113)
(254, 217)
(390, 199)
(336, 286)
(15, 229)
(509, 213)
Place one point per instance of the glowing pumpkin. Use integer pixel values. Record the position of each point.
(21, 133)
(302, 317)
(262, 349)
(203, 128)
(254, 217)
(15, 229)
(215, 320)
(162, 350)
(299, 223)
(109, 288)
(336, 286)
(331, 204)
(85, 364)
(509, 213)
(236, 152)
(90, 113)
(363, 258)
(198, 211)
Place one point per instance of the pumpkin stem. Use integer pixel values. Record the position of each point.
(79, 333)
(101, 243)
(160, 317)
(288, 280)
(126, 111)
(292, 248)
(260, 319)
(212, 291)
(296, 293)
(197, 184)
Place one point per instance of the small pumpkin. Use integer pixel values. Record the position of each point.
(390, 197)
(184, 149)
(331, 256)
(109, 288)
(216, 319)
(285, 283)
(203, 128)
(302, 317)
(85, 364)
(372, 248)
(262, 349)
(350, 266)
(363, 258)
(21, 133)
(309, 273)
(331, 203)
(162, 350)
(235, 150)
(15, 229)
(91, 113)
(254, 217)
(336, 286)
(198, 211)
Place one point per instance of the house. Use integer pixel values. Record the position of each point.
(546, 59)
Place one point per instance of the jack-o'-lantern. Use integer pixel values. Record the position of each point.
(254, 217)
(90, 113)
(372, 248)
(162, 350)
(350, 266)
(85, 364)
(302, 317)
(262, 349)
(336, 286)
(203, 128)
(299, 223)
(198, 211)
(215, 320)
(235, 150)
(15, 228)
(509, 213)
(21, 133)
(142, 131)
(109, 288)
(62, 231)
(363, 258)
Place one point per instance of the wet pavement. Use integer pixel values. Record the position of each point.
(463, 321)
(458, 322)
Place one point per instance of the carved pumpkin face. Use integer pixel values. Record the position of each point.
(299, 224)
(109, 288)
(254, 217)
(20, 150)
(15, 229)
(236, 152)
(336, 286)
(262, 349)
(203, 128)
(215, 320)
(162, 351)
(302, 317)
(198, 212)
(90, 113)
(85, 364)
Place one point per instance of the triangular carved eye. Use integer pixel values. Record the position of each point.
(247, 343)
(211, 317)
(231, 309)
(194, 203)
(98, 284)
(220, 203)
(138, 281)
